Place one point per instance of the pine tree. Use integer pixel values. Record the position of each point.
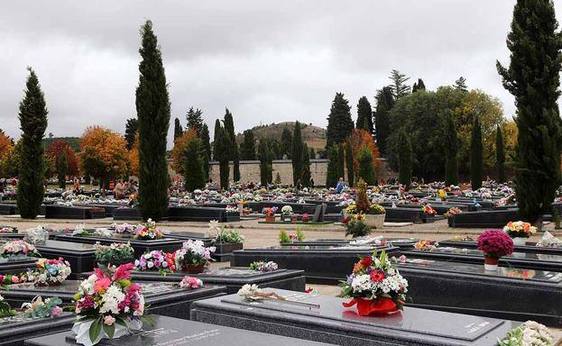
(364, 115)
(206, 145)
(399, 87)
(131, 129)
(341, 160)
(419, 86)
(476, 155)
(332, 173)
(460, 84)
(194, 120)
(385, 102)
(194, 176)
(234, 155)
(451, 152)
(306, 174)
(287, 142)
(178, 129)
(500, 155)
(264, 155)
(297, 157)
(340, 123)
(366, 170)
(153, 113)
(221, 152)
(248, 146)
(533, 77)
(405, 159)
(349, 162)
(33, 123)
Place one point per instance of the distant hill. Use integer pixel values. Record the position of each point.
(314, 136)
(74, 142)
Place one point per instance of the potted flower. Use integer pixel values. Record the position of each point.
(51, 272)
(269, 214)
(148, 231)
(114, 254)
(226, 240)
(356, 226)
(375, 286)
(305, 217)
(373, 214)
(450, 214)
(286, 213)
(494, 244)
(519, 231)
(428, 210)
(193, 256)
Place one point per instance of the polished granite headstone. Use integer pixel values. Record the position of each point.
(198, 213)
(16, 264)
(403, 243)
(234, 278)
(528, 247)
(333, 323)
(164, 298)
(79, 213)
(168, 331)
(16, 329)
(81, 256)
(484, 219)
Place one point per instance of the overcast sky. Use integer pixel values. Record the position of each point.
(267, 61)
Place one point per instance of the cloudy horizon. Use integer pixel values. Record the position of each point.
(267, 62)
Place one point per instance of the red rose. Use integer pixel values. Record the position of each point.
(366, 261)
(377, 276)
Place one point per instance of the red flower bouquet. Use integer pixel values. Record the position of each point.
(494, 243)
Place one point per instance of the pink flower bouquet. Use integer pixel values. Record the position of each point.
(495, 243)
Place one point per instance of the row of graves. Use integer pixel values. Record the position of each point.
(136, 285)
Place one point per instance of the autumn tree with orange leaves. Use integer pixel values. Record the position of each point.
(103, 154)
(178, 152)
(63, 160)
(6, 149)
(360, 139)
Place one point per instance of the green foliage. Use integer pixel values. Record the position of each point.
(297, 156)
(398, 86)
(277, 178)
(460, 84)
(233, 153)
(476, 161)
(266, 166)
(451, 152)
(306, 179)
(178, 129)
(300, 234)
(385, 102)
(341, 160)
(206, 145)
(356, 227)
(419, 86)
(44, 309)
(366, 169)
(332, 173)
(114, 254)
(248, 146)
(194, 176)
(153, 113)
(194, 119)
(405, 159)
(61, 167)
(364, 115)
(349, 162)
(229, 236)
(6, 310)
(131, 129)
(287, 142)
(221, 152)
(340, 123)
(284, 237)
(74, 142)
(33, 123)
(500, 155)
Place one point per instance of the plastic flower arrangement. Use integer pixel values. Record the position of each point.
(5, 308)
(529, 333)
(39, 308)
(50, 272)
(269, 211)
(18, 248)
(10, 279)
(229, 236)
(231, 209)
(8, 229)
(192, 254)
(262, 266)
(548, 240)
(114, 254)
(351, 209)
(376, 209)
(107, 303)
(124, 228)
(426, 245)
(495, 243)
(356, 226)
(148, 231)
(191, 282)
(519, 229)
(442, 194)
(375, 286)
(428, 210)
(287, 210)
(154, 260)
(452, 212)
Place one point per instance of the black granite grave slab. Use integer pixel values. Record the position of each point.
(404, 243)
(7, 209)
(168, 331)
(234, 278)
(484, 219)
(79, 213)
(12, 265)
(332, 323)
(164, 298)
(15, 330)
(414, 215)
(140, 246)
(528, 247)
(11, 236)
(320, 263)
(81, 256)
(186, 235)
(127, 214)
(196, 213)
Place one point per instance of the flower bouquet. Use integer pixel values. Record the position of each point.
(269, 214)
(519, 231)
(356, 226)
(10, 279)
(263, 266)
(153, 260)
(8, 229)
(529, 333)
(114, 254)
(18, 248)
(228, 236)
(108, 305)
(191, 282)
(124, 228)
(51, 272)
(428, 210)
(193, 256)
(548, 240)
(36, 235)
(148, 231)
(376, 209)
(305, 217)
(286, 213)
(39, 308)
(452, 212)
(426, 245)
(494, 243)
(375, 286)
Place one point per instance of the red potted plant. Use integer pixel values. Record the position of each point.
(494, 243)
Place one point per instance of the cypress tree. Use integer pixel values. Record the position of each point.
(500, 155)
(306, 174)
(194, 176)
(399, 87)
(131, 129)
(206, 145)
(364, 115)
(385, 102)
(194, 120)
(61, 165)
(178, 129)
(297, 157)
(248, 146)
(451, 152)
(153, 113)
(265, 163)
(340, 123)
(312, 153)
(349, 162)
(286, 143)
(366, 170)
(234, 155)
(476, 160)
(332, 173)
(341, 160)
(221, 152)
(533, 77)
(405, 159)
(419, 86)
(33, 123)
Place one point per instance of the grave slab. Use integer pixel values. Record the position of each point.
(81, 256)
(16, 329)
(528, 247)
(17, 264)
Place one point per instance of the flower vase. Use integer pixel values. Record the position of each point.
(377, 307)
(519, 241)
(81, 330)
(490, 263)
(193, 268)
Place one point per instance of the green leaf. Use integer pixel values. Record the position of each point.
(95, 329)
(109, 330)
(121, 322)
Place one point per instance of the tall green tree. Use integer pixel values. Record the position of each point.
(206, 145)
(332, 172)
(476, 152)
(364, 115)
(533, 77)
(131, 129)
(231, 136)
(194, 176)
(33, 123)
(248, 146)
(385, 102)
(153, 113)
(500, 155)
(178, 129)
(221, 153)
(341, 160)
(61, 166)
(460, 84)
(399, 87)
(266, 167)
(349, 162)
(194, 120)
(405, 159)
(297, 157)
(286, 142)
(340, 123)
(306, 176)
(451, 152)
(366, 170)
(418, 86)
